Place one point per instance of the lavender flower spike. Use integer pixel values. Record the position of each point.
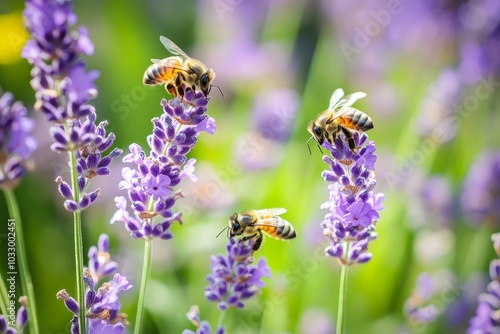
(16, 143)
(353, 207)
(151, 181)
(234, 278)
(63, 89)
(486, 319)
(101, 305)
(202, 327)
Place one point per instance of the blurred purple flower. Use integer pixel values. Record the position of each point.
(432, 201)
(274, 113)
(150, 184)
(316, 321)
(16, 142)
(233, 278)
(353, 206)
(486, 319)
(202, 327)
(481, 190)
(423, 306)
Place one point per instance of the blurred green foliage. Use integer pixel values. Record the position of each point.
(125, 34)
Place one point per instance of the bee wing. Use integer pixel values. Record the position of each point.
(156, 61)
(350, 99)
(271, 221)
(172, 47)
(341, 112)
(335, 98)
(271, 211)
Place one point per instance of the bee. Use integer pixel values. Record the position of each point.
(340, 117)
(252, 223)
(179, 72)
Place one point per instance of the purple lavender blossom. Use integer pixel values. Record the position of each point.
(63, 89)
(481, 190)
(353, 206)
(62, 86)
(20, 322)
(234, 278)
(202, 327)
(16, 143)
(100, 263)
(150, 183)
(486, 319)
(102, 305)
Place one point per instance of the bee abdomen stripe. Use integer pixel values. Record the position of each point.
(362, 121)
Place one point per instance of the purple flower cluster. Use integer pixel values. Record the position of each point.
(353, 206)
(102, 305)
(487, 318)
(150, 184)
(16, 143)
(481, 193)
(63, 89)
(62, 86)
(91, 141)
(234, 278)
(11, 324)
(202, 327)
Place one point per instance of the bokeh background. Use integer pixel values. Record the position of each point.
(430, 69)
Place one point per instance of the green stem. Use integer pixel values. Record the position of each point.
(142, 291)
(342, 297)
(4, 300)
(26, 282)
(77, 229)
(220, 323)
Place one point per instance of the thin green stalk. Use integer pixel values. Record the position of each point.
(4, 300)
(26, 282)
(77, 229)
(342, 297)
(146, 269)
(220, 323)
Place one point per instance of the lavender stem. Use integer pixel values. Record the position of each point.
(77, 230)
(146, 269)
(26, 281)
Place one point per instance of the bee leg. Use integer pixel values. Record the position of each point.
(258, 242)
(171, 89)
(350, 139)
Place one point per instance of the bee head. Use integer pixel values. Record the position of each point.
(206, 81)
(317, 132)
(235, 227)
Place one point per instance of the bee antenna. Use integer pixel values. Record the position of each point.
(307, 143)
(309, 149)
(225, 228)
(220, 90)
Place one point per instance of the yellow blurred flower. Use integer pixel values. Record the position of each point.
(14, 38)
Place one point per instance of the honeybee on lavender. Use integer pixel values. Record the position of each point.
(339, 118)
(252, 223)
(179, 73)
